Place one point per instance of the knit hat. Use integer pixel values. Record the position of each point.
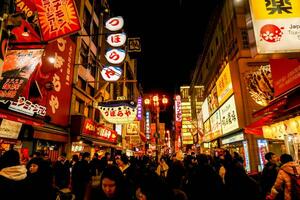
(9, 158)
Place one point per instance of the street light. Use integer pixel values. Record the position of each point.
(153, 103)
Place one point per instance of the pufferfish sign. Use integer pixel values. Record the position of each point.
(118, 112)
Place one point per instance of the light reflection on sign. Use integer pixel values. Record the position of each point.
(111, 73)
(114, 23)
(116, 40)
(115, 56)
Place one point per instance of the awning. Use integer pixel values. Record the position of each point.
(51, 133)
(256, 127)
(96, 141)
(6, 114)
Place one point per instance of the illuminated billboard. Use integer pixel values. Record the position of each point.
(276, 25)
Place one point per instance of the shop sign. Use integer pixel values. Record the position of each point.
(134, 44)
(134, 140)
(111, 73)
(207, 127)
(147, 125)
(178, 113)
(246, 156)
(229, 118)
(214, 144)
(57, 69)
(224, 85)
(114, 23)
(118, 112)
(115, 56)
(140, 108)
(27, 107)
(133, 128)
(234, 138)
(10, 129)
(212, 100)
(18, 67)
(118, 128)
(21, 120)
(92, 128)
(116, 40)
(25, 6)
(276, 25)
(57, 18)
(215, 123)
(285, 73)
(205, 110)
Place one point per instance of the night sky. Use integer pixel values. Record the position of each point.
(171, 33)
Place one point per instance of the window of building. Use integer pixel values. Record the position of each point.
(90, 112)
(97, 115)
(217, 41)
(245, 39)
(90, 90)
(93, 65)
(81, 83)
(95, 33)
(84, 52)
(79, 106)
(87, 20)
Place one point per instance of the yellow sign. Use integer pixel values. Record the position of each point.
(224, 85)
(270, 9)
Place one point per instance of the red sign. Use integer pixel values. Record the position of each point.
(25, 6)
(91, 128)
(18, 69)
(57, 18)
(58, 62)
(285, 74)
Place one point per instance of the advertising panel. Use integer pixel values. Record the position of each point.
(10, 129)
(118, 112)
(18, 67)
(58, 62)
(133, 128)
(57, 18)
(285, 74)
(111, 73)
(140, 108)
(205, 110)
(212, 100)
(229, 119)
(276, 25)
(178, 113)
(215, 123)
(224, 85)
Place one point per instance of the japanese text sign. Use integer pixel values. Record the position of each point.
(229, 118)
(178, 111)
(111, 73)
(276, 25)
(116, 40)
(58, 61)
(224, 85)
(114, 23)
(10, 129)
(57, 18)
(140, 108)
(25, 6)
(115, 56)
(118, 112)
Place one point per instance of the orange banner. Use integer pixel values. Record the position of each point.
(57, 18)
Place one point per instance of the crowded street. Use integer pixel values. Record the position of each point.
(149, 100)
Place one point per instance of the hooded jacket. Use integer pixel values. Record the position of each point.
(283, 180)
(12, 183)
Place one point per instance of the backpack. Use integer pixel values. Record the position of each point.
(295, 184)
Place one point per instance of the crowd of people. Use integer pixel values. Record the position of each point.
(119, 177)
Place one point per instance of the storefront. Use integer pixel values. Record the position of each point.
(89, 136)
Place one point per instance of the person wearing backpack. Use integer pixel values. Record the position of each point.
(288, 179)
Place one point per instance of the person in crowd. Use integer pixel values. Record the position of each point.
(269, 173)
(81, 176)
(151, 187)
(112, 185)
(105, 160)
(61, 170)
(95, 165)
(204, 180)
(283, 184)
(162, 168)
(12, 177)
(39, 180)
(238, 184)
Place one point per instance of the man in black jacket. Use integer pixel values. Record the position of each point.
(269, 173)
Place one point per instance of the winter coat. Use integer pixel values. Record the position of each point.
(162, 170)
(13, 184)
(268, 177)
(283, 180)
